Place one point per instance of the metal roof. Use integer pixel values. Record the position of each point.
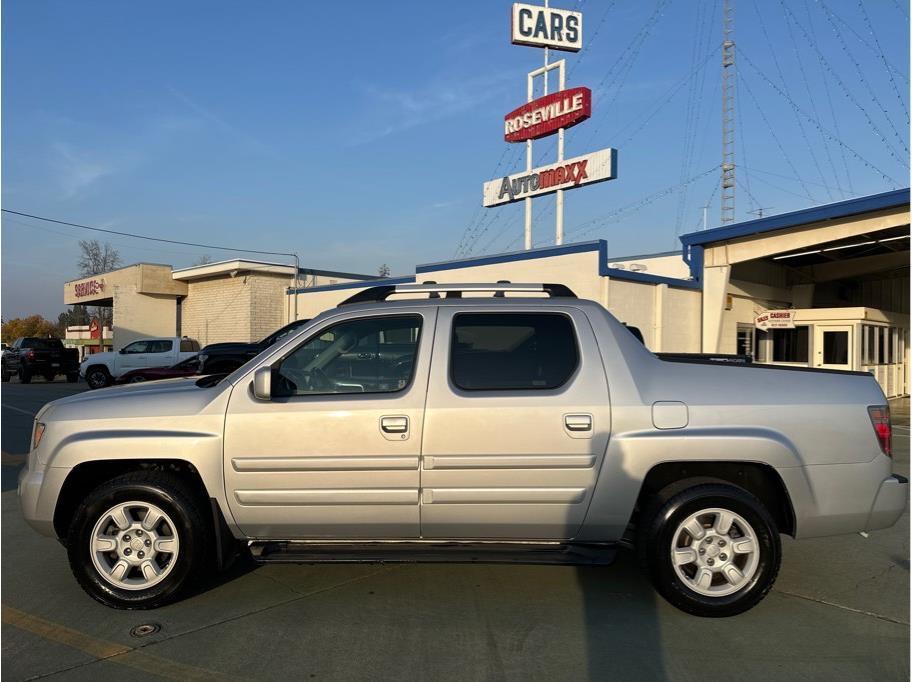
(840, 209)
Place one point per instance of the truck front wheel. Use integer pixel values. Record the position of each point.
(139, 540)
(98, 377)
(711, 550)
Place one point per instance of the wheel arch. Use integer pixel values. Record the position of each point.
(761, 480)
(86, 476)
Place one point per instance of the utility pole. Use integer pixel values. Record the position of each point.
(728, 113)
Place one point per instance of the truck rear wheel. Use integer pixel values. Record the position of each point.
(139, 540)
(98, 377)
(711, 550)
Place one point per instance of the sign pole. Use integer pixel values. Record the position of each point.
(559, 205)
(528, 200)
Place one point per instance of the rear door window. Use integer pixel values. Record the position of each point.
(512, 351)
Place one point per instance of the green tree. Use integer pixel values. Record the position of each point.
(77, 315)
(33, 325)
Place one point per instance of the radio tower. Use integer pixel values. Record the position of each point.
(728, 114)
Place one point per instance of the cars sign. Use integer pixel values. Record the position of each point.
(539, 26)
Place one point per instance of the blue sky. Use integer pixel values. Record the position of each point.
(360, 133)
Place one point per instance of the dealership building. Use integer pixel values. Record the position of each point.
(822, 287)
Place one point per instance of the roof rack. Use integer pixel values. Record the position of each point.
(433, 290)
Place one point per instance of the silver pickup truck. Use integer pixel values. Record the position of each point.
(477, 422)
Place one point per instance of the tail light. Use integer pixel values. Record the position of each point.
(30, 355)
(880, 420)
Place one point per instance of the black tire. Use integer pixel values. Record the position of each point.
(193, 529)
(98, 377)
(25, 377)
(660, 522)
(4, 376)
(72, 377)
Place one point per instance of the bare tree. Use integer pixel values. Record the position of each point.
(96, 258)
(205, 259)
(384, 270)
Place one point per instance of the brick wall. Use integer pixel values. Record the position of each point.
(243, 308)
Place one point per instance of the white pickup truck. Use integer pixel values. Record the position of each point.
(100, 369)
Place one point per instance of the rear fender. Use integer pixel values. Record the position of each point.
(632, 454)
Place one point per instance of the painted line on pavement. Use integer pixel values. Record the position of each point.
(102, 650)
(19, 409)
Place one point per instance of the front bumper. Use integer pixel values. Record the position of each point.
(890, 503)
(39, 487)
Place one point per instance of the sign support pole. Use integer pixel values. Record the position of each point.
(528, 201)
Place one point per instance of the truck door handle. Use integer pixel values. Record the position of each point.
(394, 424)
(578, 422)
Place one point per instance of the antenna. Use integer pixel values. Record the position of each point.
(728, 114)
(759, 210)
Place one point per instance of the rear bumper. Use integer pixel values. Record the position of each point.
(890, 503)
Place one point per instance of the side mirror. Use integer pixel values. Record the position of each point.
(262, 383)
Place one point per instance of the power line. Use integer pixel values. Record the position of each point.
(842, 85)
(772, 131)
(864, 81)
(142, 236)
(815, 122)
(883, 59)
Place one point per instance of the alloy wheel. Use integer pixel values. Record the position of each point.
(134, 545)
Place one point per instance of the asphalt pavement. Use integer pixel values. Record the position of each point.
(840, 610)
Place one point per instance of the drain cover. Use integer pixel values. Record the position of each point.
(145, 630)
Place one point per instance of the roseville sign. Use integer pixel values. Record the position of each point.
(539, 26)
(775, 319)
(581, 170)
(548, 114)
(91, 288)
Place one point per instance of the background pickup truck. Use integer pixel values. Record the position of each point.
(34, 356)
(224, 358)
(471, 427)
(100, 369)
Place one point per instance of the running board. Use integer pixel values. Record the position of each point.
(297, 552)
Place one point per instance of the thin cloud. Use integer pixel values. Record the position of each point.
(434, 102)
(229, 129)
(77, 172)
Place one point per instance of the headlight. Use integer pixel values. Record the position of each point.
(37, 433)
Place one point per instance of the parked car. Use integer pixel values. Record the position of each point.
(467, 428)
(184, 368)
(224, 358)
(35, 356)
(101, 369)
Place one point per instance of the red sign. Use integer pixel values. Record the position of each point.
(94, 331)
(547, 114)
(90, 288)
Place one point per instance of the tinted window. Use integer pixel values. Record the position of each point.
(136, 347)
(790, 345)
(188, 346)
(373, 355)
(512, 351)
(42, 344)
(159, 346)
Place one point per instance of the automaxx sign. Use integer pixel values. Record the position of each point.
(568, 174)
